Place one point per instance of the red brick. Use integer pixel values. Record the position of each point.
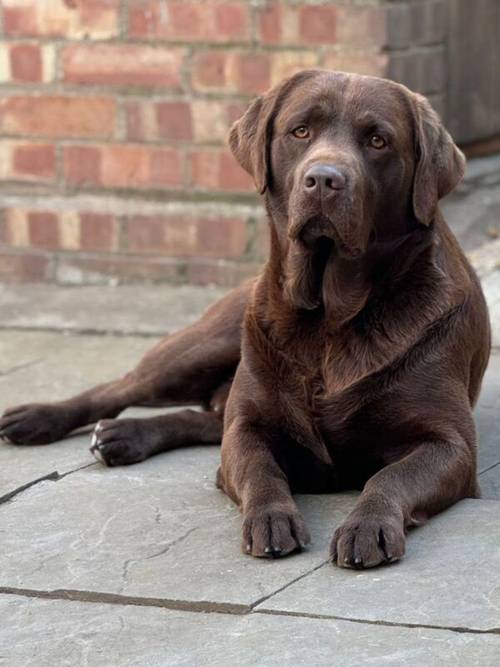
(232, 21)
(253, 73)
(223, 273)
(82, 165)
(362, 26)
(183, 236)
(209, 69)
(270, 19)
(174, 120)
(26, 63)
(61, 18)
(236, 71)
(35, 160)
(216, 169)
(134, 122)
(186, 20)
(372, 64)
(97, 231)
(57, 116)
(27, 266)
(98, 270)
(122, 65)
(122, 166)
(43, 229)
(317, 24)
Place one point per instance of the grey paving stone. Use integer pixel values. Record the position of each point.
(52, 366)
(490, 483)
(158, 529)
(487, 415)
(98, 635)
(449, 578)
(139, 309)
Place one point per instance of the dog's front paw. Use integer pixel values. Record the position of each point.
(368, 540)
(271, 532)
(34, 424)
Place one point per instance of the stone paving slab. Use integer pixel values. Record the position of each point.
(102, 635)
(159, 529)
(450, 577)
(40, 366)
(137, 309)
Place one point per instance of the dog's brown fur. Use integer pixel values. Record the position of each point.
(364, 340)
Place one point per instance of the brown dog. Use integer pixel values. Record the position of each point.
(364, 341)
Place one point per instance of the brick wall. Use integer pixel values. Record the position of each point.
(114, 114)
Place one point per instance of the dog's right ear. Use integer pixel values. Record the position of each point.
(250, 138)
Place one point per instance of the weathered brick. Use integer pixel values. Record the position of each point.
(122, 269)
(363, 26)
(61, 18)
(212, 119)
(216, 169)
(207, 21)
(25, 161)
(174, 120)
(225, 273)
(235, 71)
(43, 229)
(98, 231)
(270, 23)
(317, 24)
(209, 70)
(26, 63)
(57, 116)
(182, 236)
(153, 121)
(286, 63)
(372, 64)
(26, 267)
(122, 65)
(251, 73)
(122, 166)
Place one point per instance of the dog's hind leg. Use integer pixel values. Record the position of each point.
(187, 367)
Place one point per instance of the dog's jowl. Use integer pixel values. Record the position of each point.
(352, 361)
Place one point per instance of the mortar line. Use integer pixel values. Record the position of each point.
(227, 608)
(288, 583)
(364, 621)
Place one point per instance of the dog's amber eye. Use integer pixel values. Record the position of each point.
(377, 142)
(301, 132)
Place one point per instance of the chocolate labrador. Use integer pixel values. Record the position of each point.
(353, 361)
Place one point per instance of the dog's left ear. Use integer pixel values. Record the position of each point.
(250, 137)
(440, 163)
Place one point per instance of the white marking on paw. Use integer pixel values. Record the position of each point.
(97, 454)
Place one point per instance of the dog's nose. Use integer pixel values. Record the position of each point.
(324, 179)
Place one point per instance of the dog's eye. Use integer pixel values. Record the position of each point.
(377, 142)
(301, 132)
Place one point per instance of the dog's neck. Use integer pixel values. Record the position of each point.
(320, 283)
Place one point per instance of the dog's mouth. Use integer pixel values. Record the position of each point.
(320, 236)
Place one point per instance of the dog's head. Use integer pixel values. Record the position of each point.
(346, 161)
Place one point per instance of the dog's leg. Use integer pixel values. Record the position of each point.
(122, 441)
(251, 476)
(404, 494)
(185, 368)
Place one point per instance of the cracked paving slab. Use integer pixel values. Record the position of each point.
(450, 577)
(157, 530)
(42, 367)
(135, 637)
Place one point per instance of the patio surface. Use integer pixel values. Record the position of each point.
(141, 565)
